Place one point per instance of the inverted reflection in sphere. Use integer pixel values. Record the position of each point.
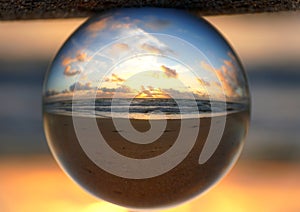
(146, 107)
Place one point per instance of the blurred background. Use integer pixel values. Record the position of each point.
(266, 177)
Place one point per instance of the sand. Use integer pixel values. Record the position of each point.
(182, 183)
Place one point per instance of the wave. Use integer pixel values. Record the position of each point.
(143, 108)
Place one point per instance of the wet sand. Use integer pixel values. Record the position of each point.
(183, 182)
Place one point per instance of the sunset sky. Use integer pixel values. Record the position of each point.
(146, 56)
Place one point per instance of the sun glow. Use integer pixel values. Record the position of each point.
(103, 206)
(155, 93)
(38, 189)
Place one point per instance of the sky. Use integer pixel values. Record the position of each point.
(168, 54)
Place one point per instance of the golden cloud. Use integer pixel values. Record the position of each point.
(81, 57)
(121, 46)
(152, 92)
(203, 83)
(201, 94)
(68, 61)
(207, 66)
(118, 48)
(227, 77)
(71, 72)
(170, 73)
(130, 23)
(98, 26)
(117, 25)
(114, 78)
(144, 94)
(151, 49)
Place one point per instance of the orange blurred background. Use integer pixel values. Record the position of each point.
(266, 178)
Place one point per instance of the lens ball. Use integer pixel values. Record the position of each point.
(146, 107)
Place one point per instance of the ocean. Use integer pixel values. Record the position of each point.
(143, 108)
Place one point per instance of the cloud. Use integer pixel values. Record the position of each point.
(123, 91)
(151, 92)
(71, 72)
(69, 61)
(114, 78)
(151, 48)
(176, 94)
(207, 66)
(120, 89)
(201, 94)
(80, 86)
(51, 92)
(98, 25)
(155, 48)
(170, 73)
(136, 38)
(110, 24)
(118, 48)
(227, 77)
(107, 90)
(81, 89)
(81, 57)
(148, 93)
(65, 91)
(203, 83)
(151, 88)
(145, 94)
(55, 95)
(203, 90)
(118, 25)
(125, 23)
(121, 46)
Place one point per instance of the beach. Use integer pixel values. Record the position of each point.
(182, 183)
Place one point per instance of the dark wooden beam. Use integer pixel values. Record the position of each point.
(45, 9)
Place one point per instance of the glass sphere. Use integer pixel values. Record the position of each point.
(146, 107)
